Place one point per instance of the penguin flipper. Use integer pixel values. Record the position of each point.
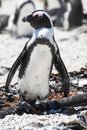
(14, 68)
(60, 67)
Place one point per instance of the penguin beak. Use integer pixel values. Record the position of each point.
(27, 18)
(24, 19)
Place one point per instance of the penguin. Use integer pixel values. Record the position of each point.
(36, 60)
(77, 11)
(23, 7)
(74, 14)
(4, 18)
(0, 3)
(58, 13)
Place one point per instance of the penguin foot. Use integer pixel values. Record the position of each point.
(25, 107)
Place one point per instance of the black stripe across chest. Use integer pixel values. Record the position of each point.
(29, 51)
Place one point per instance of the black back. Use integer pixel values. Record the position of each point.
(76, 14)
(17, 12)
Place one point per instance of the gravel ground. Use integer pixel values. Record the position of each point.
(34, 122)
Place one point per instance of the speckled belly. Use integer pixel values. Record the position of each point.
(36, 78)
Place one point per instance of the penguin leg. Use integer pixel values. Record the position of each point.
(60, 67)
(29, 101)
(14, 68)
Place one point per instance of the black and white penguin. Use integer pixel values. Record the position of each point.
(4, 21)
(56, 11)
(37, 59)
(0, 3)
(23, 7)
(74, 15)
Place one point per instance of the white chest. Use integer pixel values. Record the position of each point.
(36, 78)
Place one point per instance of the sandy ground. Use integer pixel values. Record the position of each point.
(73, 47)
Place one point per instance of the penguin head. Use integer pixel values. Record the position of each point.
(38, 19)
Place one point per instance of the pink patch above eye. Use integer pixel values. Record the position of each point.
(38, 14)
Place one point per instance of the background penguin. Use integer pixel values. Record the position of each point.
(37, 59)
(3, 21)
(74, 15)
(0, 3)
(23, 7)
(56, 11)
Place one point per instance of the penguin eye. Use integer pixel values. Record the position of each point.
(36, 16)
